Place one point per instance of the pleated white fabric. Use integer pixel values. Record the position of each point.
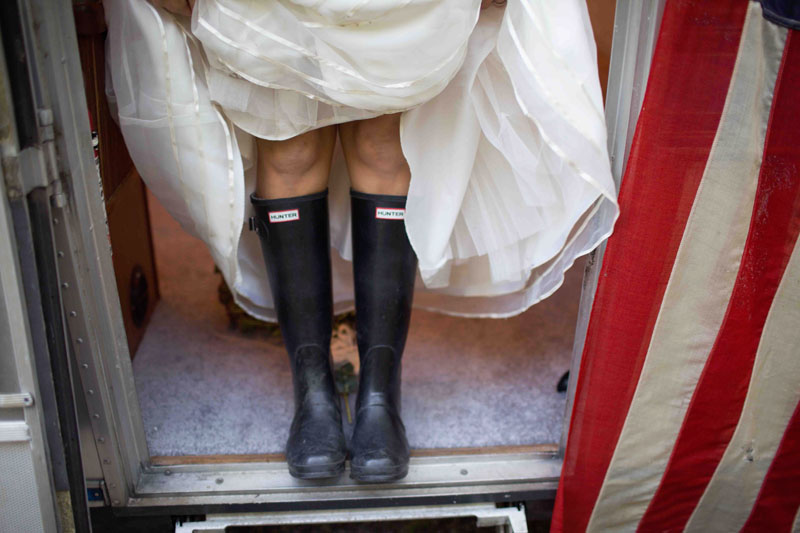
(281, 68)
(502, 127)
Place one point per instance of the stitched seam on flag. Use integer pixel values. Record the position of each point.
(656, 504)
(581, 498)
(610, 510)
(732, 460)
(767, 507)
(776, 372)
(770, 511)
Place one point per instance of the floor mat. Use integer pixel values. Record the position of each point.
(206, 389)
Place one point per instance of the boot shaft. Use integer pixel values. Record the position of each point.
(384, 271)
(295, 241)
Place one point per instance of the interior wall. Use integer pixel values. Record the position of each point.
(123, 189)
(601, 13)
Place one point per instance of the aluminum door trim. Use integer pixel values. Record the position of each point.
(24, 424)
(636, 25)
(88, 289)
(270, 483)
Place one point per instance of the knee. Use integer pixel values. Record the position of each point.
(292, 157)
(377, 145)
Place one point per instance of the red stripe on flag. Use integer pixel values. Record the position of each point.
(689, 77)
(717, 401)
(779, 498)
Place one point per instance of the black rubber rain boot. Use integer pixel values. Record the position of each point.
(295, 240)
(384, 267)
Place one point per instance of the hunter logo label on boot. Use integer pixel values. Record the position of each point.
(390, 213)
(284, 216)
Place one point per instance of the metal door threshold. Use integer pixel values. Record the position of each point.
(442, 479)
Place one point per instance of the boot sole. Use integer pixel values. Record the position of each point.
(378, 475)
(317, 471)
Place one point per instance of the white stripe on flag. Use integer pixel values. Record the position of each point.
(796, 526)
(700, 285)
(771, 399)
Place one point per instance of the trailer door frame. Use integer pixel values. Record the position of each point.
(27, 485)
(97, 336)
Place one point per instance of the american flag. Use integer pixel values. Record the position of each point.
(686, 415)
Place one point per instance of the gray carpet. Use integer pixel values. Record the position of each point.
(206, 389)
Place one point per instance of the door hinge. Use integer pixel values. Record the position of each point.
(12, 177)
(17, 431)
(13, 401)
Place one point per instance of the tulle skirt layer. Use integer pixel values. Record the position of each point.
(281, 68)
(502, 127)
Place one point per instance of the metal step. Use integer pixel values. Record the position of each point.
(506, 519)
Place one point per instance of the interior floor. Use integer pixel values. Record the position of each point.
(205, 389)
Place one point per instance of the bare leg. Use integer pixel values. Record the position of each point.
(296, 166)
(374, 157)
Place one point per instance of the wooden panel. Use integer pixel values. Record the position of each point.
(601, 13)
(134, 268)
(126, 202)
(115, 163)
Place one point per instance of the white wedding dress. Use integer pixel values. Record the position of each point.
(502, 127)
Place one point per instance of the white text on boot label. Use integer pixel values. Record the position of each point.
(284, 216)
